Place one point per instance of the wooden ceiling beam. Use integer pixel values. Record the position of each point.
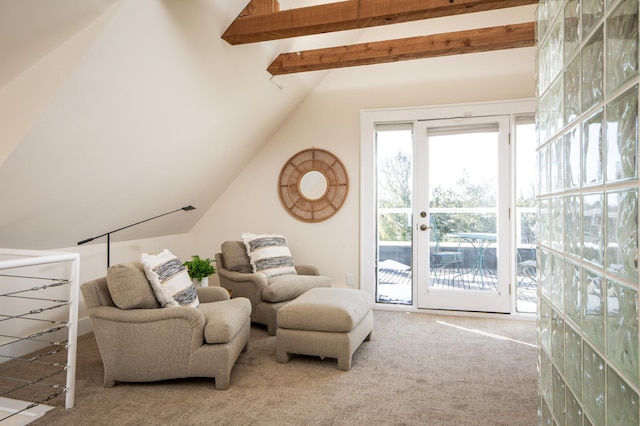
(478, 40)
(349, 15)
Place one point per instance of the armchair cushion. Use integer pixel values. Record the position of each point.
(287, 287)
(224, 319)
(269, 254)
(129, 287)
(169, 279)
(235, 257)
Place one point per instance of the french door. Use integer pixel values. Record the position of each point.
(442, 214)
(461, 236)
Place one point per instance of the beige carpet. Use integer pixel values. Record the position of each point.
(418, 369)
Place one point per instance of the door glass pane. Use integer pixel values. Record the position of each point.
(394, 147)
(525, 215)
(463, 177)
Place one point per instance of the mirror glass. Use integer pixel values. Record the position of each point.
(313, 185)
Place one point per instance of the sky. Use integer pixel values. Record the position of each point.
(473, 153)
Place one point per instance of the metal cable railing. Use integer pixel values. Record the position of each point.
(38, 328)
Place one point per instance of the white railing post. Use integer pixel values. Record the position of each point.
(74, 298)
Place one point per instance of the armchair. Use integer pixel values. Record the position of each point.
(266, 294)
(143, 342)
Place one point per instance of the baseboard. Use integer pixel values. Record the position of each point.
(84, 326)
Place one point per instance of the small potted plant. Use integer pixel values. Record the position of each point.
(200, 269)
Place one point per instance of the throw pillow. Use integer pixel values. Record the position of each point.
(269, 254)
(235, 256)
(169, 279)
(129, 287)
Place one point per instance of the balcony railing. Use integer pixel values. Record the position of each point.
(395, 258)
(525, 234)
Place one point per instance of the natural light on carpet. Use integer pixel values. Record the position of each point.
(484, 333)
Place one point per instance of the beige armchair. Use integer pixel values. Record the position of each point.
(267, 295)
(143, 342)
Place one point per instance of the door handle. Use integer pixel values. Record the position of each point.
(424, 227)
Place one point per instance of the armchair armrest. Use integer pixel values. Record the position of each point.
(142, 316)
(242, 284)
(307, 270)
(258, 280)
(212, 294)
(130, 339)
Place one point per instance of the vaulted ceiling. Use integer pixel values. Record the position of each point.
(112, 111)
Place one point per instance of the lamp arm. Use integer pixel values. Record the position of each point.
(187, 208)
(108, 234)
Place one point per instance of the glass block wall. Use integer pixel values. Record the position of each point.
(587, 120)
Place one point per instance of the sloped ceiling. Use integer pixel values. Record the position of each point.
(31, 29)
(112, 111)
(156, 113)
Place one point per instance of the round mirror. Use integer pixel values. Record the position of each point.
(313, 185)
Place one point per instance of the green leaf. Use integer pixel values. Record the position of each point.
(199, 268)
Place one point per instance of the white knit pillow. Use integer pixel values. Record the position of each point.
(269, 254)
(169, 279)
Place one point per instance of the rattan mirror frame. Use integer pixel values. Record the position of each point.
(318, 209)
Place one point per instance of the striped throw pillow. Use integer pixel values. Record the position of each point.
(269, 254)
(169, 279)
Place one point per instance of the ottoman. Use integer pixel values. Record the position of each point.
(325, 322)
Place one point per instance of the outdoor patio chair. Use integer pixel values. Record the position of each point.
(441, 259)
(527, 269)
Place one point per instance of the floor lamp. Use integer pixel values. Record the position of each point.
(108, 234)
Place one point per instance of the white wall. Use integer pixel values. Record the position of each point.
(330, 119)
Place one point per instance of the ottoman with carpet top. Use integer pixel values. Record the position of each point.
(325, 322)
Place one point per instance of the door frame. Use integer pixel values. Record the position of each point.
(462, 300)
(368, 121)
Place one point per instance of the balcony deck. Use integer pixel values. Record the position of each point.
(395, 284)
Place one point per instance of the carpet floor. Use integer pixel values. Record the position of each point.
(418, 369)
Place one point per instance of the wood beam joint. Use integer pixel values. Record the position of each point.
(260, 7)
